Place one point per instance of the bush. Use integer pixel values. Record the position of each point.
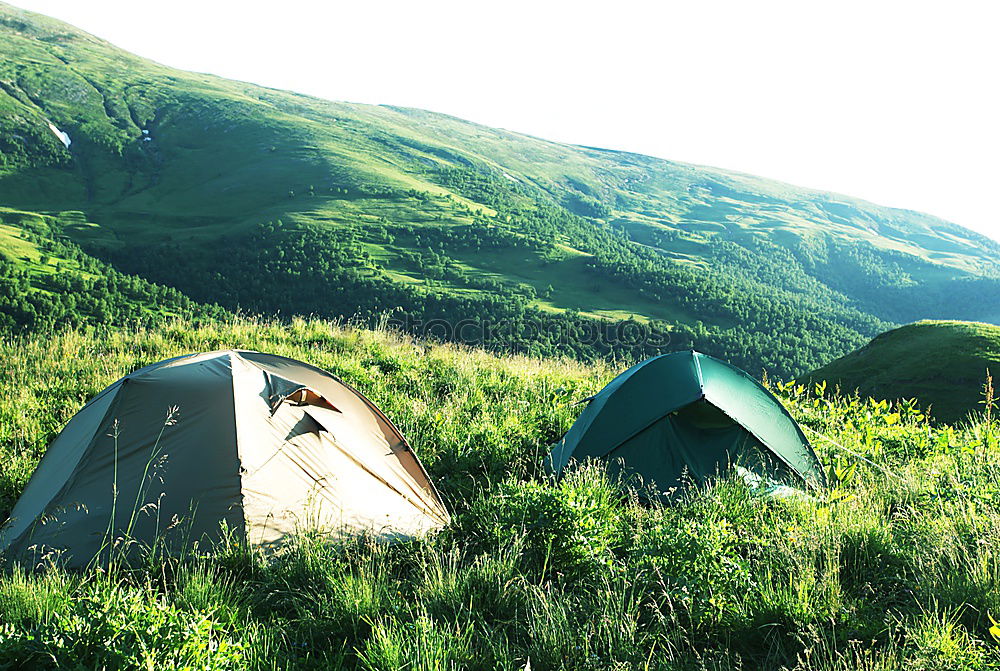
(568, 529)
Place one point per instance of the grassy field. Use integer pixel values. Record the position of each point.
(896, 566)
(942, 363)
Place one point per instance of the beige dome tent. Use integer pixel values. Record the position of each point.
(261, 443)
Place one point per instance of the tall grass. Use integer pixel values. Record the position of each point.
(896, 566)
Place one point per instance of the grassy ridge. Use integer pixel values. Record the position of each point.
(896, 566)
(944, 364)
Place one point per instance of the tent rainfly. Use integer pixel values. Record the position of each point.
(259, 443)
(684, 417)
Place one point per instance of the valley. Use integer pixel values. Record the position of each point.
(183, 180)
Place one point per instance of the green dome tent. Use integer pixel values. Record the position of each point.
(685, 417)
(260, 442)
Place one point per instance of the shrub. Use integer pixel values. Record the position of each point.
(569, 529)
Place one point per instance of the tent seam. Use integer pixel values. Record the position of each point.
(236, 440)
(697, 368)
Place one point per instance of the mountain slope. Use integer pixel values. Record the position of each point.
(941, 363)
(47, 281)
(242, 195)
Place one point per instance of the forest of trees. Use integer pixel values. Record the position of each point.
(759, 317)
(758, 304)
(292, 270)
(84, 290)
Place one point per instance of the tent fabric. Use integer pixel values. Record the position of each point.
(260, 443)
(688, 416)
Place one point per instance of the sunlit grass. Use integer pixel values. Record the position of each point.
(896, 566)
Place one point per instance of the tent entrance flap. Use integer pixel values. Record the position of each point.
(280, 390)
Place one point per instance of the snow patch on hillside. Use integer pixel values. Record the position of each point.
(62, 135)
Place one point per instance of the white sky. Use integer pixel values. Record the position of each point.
(896, 102)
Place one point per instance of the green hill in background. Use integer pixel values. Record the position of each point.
(278, 203)
(943, 364)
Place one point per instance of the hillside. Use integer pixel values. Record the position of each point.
(895, 566)
(942, 364)
(273, 202)
(47, 281)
